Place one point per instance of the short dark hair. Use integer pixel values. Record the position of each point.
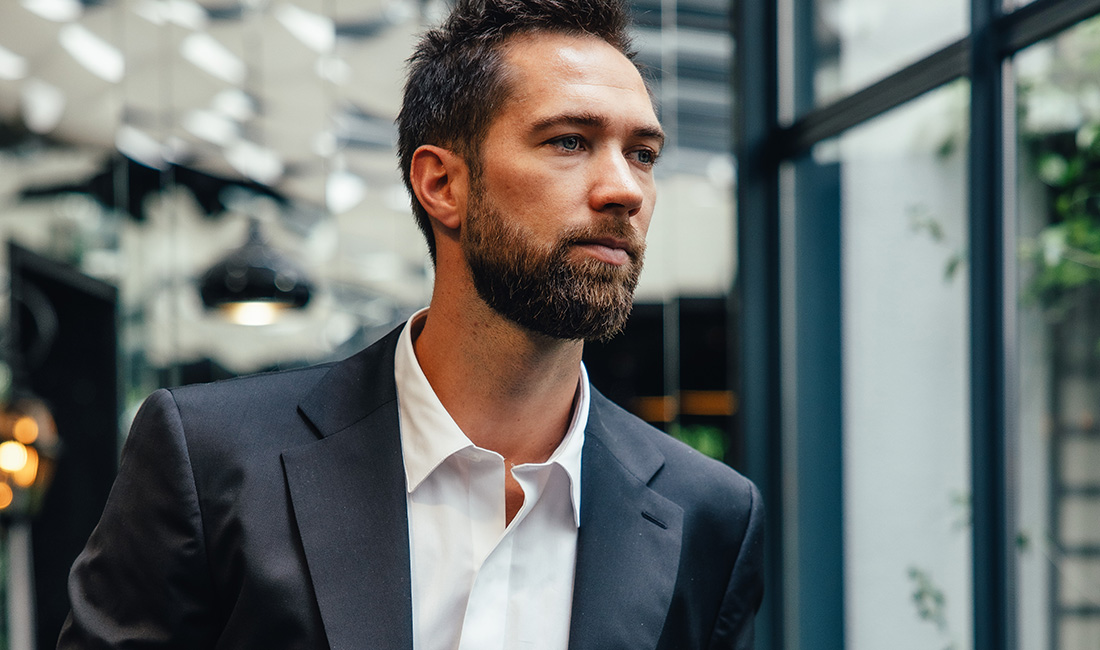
(457, 83)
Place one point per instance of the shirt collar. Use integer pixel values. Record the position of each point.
(429, 435)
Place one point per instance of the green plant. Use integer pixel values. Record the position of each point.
(1066, 253)
(922, 220)
(1059, 118)
(708, 440)
(930, 602)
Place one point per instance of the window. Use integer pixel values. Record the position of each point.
(918, 276)
(1058, 234)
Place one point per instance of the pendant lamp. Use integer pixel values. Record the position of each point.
(254, 283)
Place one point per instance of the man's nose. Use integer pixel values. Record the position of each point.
(615, 185)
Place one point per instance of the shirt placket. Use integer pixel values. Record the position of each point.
(485, 626)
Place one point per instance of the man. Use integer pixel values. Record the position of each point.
(458, 484)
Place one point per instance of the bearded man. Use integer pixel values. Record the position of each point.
(458, 484)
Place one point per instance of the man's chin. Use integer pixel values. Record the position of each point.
(570, 320)
(596, 332)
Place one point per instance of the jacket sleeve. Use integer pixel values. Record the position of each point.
(142, 580)
(734, 627)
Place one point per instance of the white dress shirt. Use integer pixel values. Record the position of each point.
(478, 584)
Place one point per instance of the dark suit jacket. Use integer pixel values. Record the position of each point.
(269, 512)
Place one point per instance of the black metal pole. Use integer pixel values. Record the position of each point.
(987, 332)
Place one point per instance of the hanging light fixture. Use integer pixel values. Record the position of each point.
(28, 449)
(254, 283)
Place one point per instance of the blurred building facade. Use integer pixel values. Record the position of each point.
(917, 266)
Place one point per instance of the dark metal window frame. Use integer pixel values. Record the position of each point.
(762, 146)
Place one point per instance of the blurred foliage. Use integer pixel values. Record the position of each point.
(923, 221)
(1066, 253)
(961, 510)
(1059, 113)
(708, 440)
(928, 598)
(930, 601)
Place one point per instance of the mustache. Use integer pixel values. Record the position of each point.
(619, 233)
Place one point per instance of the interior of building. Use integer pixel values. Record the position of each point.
(872, 282)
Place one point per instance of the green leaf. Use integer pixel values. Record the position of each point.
(710, 441)
(1052, 169)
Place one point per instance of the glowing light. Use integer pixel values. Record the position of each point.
(43, 105)
(315, 31)
(140, 146)
(344, 191)
(12, 66)
(25, 477)
(185, 13)
(13, 456)
(206, 53)
(211, 126)
(6, 495)
(258, 163)
(59, 11)
(252, 313)
(326, 145)
(25, 430)
(97, 55)
(235, 104)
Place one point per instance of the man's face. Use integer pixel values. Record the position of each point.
(561, 199)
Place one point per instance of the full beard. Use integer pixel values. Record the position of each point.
(545, 289)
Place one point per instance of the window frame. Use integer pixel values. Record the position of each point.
(770, 400)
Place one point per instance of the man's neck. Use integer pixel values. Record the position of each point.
(508, 389)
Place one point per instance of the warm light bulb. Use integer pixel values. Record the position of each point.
(26, 476)
(13, 456)
(25, 430)
(252, 313)
(6, 495)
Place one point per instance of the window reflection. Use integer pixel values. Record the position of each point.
(856, 42)
(905, 321)
(1058, 498)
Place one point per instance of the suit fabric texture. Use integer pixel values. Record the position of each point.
(269, 512)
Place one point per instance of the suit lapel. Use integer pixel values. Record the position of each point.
(348, 499)
(628, 546)
(347, 493)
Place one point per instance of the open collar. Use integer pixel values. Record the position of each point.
(348, 499)
(429, 435)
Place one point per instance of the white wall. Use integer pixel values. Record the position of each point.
(905, 342)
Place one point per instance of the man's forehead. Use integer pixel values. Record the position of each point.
(566, 50)
(550, 68)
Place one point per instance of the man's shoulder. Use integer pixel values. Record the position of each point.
(249, 401)
(274, 386)
(230, 417)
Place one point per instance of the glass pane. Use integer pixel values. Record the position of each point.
(856, 42)
(1058, 464)
(903, 198)
(663, 367)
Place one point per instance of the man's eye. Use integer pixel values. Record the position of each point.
(569, 143)
(646, 156)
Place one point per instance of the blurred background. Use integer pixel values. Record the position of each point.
(872, 285)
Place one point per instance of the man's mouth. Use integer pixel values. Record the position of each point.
(611, 250)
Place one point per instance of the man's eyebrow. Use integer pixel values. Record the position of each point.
(650, 132)
(595, 121)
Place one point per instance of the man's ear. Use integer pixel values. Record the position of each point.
(439, 179)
